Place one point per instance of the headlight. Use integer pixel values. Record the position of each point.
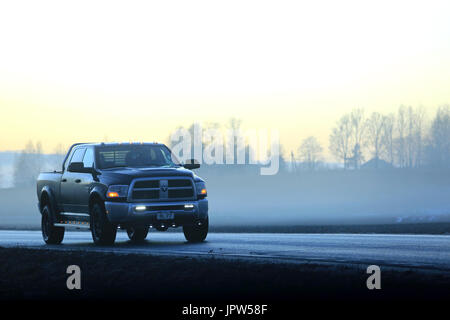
(201, 190)
(117, 191)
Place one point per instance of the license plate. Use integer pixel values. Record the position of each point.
(164, 216)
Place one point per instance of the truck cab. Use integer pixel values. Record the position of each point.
(136, 187)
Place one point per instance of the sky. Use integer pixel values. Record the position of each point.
(121, 71)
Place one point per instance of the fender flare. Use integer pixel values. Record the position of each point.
(47, 192)
(98, 192)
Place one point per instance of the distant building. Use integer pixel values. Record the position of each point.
(376, 163)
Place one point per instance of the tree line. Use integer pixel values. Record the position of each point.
(31, 161)
(405, 139)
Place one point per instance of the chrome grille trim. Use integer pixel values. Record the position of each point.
(164, 191)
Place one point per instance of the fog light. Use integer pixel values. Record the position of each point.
(140, 208)
(188, 206)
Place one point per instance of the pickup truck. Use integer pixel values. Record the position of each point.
(132, 186)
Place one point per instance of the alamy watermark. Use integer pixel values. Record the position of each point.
(374, 280)
(74, 280)
(230, 147)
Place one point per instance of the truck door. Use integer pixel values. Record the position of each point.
(70, 181)
(83, 187)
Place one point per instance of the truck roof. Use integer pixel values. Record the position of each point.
(115, 143)
(107, 144)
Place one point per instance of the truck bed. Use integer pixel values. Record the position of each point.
(51, 179)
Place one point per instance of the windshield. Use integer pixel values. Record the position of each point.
(134, 156)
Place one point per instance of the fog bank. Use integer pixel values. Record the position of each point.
(239, 197)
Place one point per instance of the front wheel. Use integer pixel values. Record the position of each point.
(103, 231)
(50, 233)
(196, 232)
(137, 234)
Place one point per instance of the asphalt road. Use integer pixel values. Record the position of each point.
(417, 251)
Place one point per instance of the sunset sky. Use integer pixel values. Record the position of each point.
(83, 71)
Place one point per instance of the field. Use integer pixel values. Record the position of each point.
(323, 201)
(38, 274)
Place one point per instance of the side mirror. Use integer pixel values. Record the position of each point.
(79, 167)
(76, 167)
(191, 164)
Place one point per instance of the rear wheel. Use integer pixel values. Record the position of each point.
(137, 234)
(50, 233)
(103, 231)
(196, 232)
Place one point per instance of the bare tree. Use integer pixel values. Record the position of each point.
(59, 154)
(439, 154)
(400, 142)
(59, 149)
(410, 136)
(410, 127)
(358, 125)
(340, 140)
(358, 134)
(28, 165)
(388, 136)
(375, 129)
(418, 135)
(310, 152)
(293, 162)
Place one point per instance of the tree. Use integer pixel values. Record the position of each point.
(439, 154)
(375, 135)
(357, 157)
(347, 138)
(358, 126)
(310, 152)
(340, 139)
(293, 162)
(28, 165)
(410, 131)
(358, 134)
(417, 133)
(388, 136)
(400, 142)
(59, 154)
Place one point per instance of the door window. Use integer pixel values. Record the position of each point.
(88, 159)
(78, 155)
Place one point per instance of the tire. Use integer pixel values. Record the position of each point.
(50, 233)
(137, 234)
(196, 233)
(103, 231)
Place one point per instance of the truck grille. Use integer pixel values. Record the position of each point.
(161, 189)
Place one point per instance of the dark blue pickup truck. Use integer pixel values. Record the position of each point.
(105, 186)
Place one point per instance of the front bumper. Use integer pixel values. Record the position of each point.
(126, 213)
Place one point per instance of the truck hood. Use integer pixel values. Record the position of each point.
(126, 175)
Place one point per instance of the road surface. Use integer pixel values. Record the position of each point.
(417, 251)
